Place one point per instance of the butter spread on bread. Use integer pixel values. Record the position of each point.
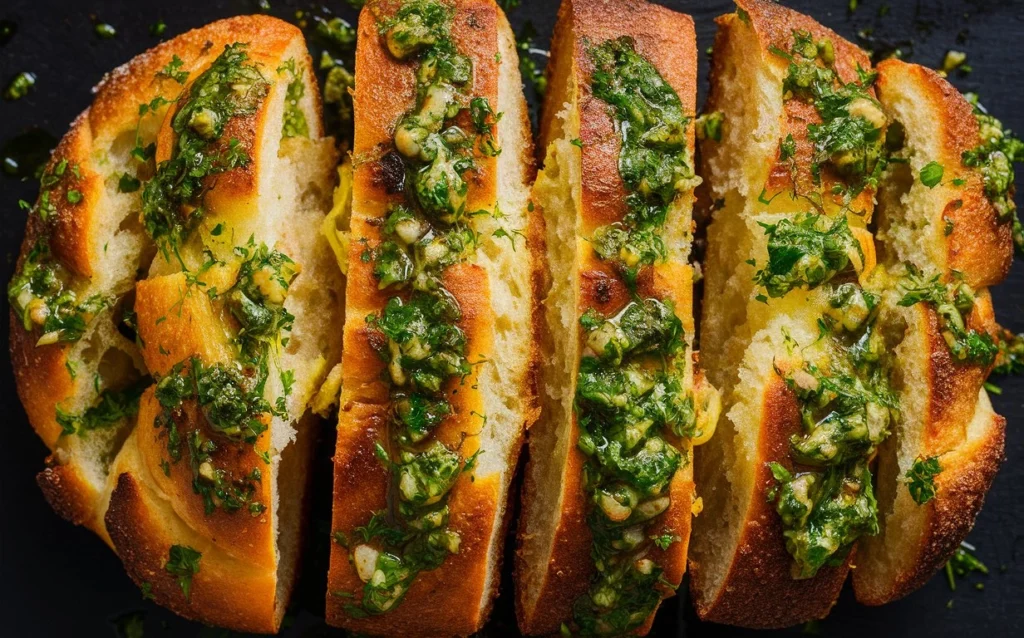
(609, 491)
(174, 405)
(438, 363)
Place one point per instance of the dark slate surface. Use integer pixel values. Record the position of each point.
(58, 580)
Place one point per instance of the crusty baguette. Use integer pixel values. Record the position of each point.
(578, 190)
(493, 406)
(948, 228)
(139, 490)
(740, 566)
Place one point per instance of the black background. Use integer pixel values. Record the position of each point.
(59, 580)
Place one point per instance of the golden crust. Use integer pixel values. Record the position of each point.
(667, 39)
(980, 245)
(71, 496)
(761, 562)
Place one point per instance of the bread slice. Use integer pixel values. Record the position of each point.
(758, 174)
(952, 230)
(579, 190)
(203, 499)
(491, 407)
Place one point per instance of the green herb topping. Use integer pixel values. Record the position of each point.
(294, 118)
(931, 174)
(111, 408)
(42, 292)
(654, 160)
(995, 157)
(231, 396)
(1010, 355)
(921, 479)
(172, 201)
(804, 253)
(532, 72)
(631, 402)
(952, 303)
(846, 403)
(850, 137)
(823, 513)
(709, 126)
(183, 564)
(105, 31)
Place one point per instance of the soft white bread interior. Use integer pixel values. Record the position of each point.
(203, 503)
(948, 229)
(492, 284)
(579, 190)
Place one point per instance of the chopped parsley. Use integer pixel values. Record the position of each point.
(183, 564)
(295, 124)
(417, 333)
(20, 86)
(921, 479)
(709, 126)
(994, 158)
(962, 563)
(850, 137)
(804, 253)
(111, 408)
(952, 303)
(931, 174)
(654, 162)
(42, 291)
(630, 395)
